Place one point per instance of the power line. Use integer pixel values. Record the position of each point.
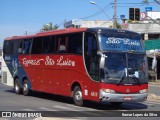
(106, 8)
(158, 2)
(134, 3)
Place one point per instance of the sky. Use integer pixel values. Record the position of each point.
(19, 16)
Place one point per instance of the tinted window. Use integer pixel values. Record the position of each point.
(27, 46)
(37, 46)
(121, 42)
(91, 57)
(62, 44)
(49, 45)
(75, 43)
(17, 47)
(8, 47)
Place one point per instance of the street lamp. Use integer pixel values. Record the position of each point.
(114, 24)
(94, 3)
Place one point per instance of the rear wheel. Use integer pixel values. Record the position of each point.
(26, 90)
(17, 87)
(77, 96)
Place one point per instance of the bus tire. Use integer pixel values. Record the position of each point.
(17, 87)
(25, 88)
(77, 96)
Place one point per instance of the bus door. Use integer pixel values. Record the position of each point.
(92, 65)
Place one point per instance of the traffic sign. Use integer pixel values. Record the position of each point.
(143, 15)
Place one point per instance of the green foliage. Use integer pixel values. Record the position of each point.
(118, 25)
(49, 26)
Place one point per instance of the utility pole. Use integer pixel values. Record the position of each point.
(115, 14)
(26, 32)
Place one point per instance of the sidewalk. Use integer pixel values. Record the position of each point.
(153, 96)
(157, 82)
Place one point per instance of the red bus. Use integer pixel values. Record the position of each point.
(97, 64)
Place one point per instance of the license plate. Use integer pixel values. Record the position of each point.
(128, 98)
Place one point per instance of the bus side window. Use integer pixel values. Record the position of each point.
(19, 47)
(49, 45)
(62, 44)
(75, 43)
(46, 44)
(37, 45)
(8, 47)
(26, 46)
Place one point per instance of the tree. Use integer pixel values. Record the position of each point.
(49, 26)
(145, 1)
(118, 25)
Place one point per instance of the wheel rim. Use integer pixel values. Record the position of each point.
(25, 87)
(78, 96)
(16, 87)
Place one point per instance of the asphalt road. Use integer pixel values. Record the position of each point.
(9, 101)
(155, 89)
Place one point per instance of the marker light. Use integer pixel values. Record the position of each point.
(108, 90)
(143, 91)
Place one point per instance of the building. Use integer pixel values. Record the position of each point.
(88, 23)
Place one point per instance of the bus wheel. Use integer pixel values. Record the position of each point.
(77, 96)
(26, 90)
(17, 87)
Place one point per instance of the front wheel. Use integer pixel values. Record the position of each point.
(77, 96)
(26, 90)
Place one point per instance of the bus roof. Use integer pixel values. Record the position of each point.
(52, 32)
(110, 30)
(72, 30)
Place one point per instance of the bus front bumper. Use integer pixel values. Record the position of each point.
(114, 97)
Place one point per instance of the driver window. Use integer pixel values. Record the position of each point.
(91, 57)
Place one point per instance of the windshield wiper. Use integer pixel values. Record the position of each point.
(137, 79)
(118, 83)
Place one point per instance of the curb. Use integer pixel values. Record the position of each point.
(154, 83)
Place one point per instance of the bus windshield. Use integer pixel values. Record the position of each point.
(124, 68)
(120, 42)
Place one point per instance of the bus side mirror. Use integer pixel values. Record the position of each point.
(102, 62)
(101, 54)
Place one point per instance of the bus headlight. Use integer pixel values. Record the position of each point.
(143, 91)
(108, 90)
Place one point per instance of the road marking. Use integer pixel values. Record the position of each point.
(64, 108)
(47, 109)
(81, 108)
(147, 103)
(153, 102)
(154, 85)
(29, 110)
